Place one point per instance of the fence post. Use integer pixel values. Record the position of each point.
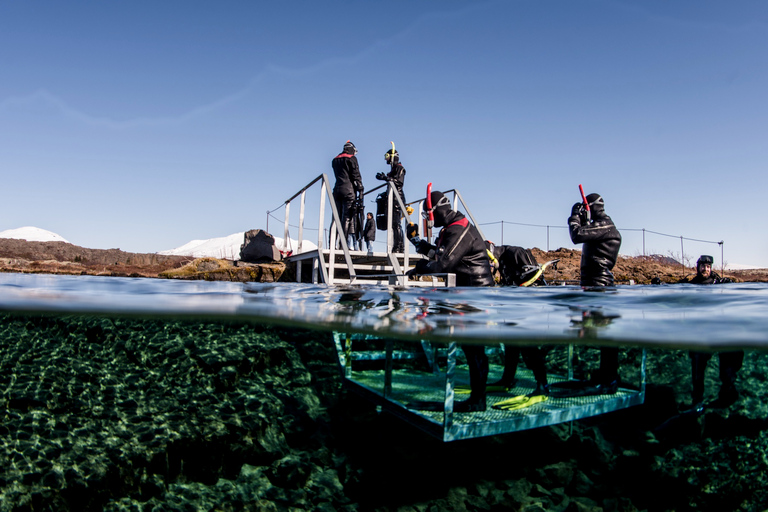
(722, 260)
(682, 254)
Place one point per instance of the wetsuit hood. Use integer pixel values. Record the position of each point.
(596, 205)
(441, 207)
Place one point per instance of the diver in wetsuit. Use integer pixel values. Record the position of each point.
(730, 361)
(348, 190)
(509, 264)
(396, 175)
(458, 249)
(600, 248)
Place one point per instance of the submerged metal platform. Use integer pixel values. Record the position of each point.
(393, 389)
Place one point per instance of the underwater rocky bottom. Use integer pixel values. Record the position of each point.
(127, 414)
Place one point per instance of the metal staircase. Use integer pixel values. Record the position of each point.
(338, 264)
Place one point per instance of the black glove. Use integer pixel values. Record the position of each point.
(381, 176)
(420, 268)
(411, 230)
(577, 209)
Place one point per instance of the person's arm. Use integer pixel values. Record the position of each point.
(354, 175)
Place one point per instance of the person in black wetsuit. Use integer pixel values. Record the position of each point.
(397, 176)
(348, 190)
(509, 263)
(730, 361)
(458, 249)
(600, 248)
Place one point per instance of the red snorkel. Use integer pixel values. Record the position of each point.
(429, 222)
(586, 203)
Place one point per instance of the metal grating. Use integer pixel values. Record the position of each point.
(393, 389)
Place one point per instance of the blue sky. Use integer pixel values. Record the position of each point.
(143, 125)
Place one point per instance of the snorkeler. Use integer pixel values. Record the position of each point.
(730, 361)
(590, 226)
(516, 266)
(458, 249)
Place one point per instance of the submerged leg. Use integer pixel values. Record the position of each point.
(698, 369)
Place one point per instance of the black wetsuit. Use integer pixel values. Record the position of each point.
(460, 249)
(600, 248)
(512, 262)
(348, 185)
(397, 176)
(730, 361)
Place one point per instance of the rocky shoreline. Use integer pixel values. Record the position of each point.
(128, 414)
(65, 258)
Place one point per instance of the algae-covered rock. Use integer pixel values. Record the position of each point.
(212, 269)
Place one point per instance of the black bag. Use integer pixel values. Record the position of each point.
(381, 211)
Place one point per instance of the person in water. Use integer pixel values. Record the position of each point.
(458, 249)
(396, 176)
(730, 361)
(600, 241)
(704, 273)
(510, 267)
(348, 190)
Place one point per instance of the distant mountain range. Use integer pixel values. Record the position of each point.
(225, 247)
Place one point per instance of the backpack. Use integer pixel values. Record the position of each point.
(381, 211)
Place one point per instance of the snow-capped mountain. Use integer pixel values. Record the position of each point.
(32, 234)
(227, 247)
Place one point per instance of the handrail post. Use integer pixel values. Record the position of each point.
(285, 231)
(301, 219)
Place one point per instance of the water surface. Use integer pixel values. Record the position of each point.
(731, 315)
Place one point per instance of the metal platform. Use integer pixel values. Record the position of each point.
(394, 388)
(380, 268)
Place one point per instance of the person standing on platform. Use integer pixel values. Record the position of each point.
(458, 249)
(348, 189)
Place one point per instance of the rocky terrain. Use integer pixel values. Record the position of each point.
(65, 258)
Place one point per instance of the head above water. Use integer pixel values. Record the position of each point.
(704, 265)
(596, 204)
(441, 206)
(388, 156)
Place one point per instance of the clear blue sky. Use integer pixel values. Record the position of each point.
(143, 125)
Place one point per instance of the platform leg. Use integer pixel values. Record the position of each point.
(388, 369)
(450, 373)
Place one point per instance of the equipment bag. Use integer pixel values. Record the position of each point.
(381, 211)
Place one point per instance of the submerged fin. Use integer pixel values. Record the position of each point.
(575, 388)
(519, 402)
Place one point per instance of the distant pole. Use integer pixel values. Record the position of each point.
(547, 238)
(267, 221)
(682, 254)
(643, 241)
(722, 260)
(502, 232)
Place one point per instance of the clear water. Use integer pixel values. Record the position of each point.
(680, 316)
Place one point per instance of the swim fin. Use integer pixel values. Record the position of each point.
(519, 402)
(575, 388)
